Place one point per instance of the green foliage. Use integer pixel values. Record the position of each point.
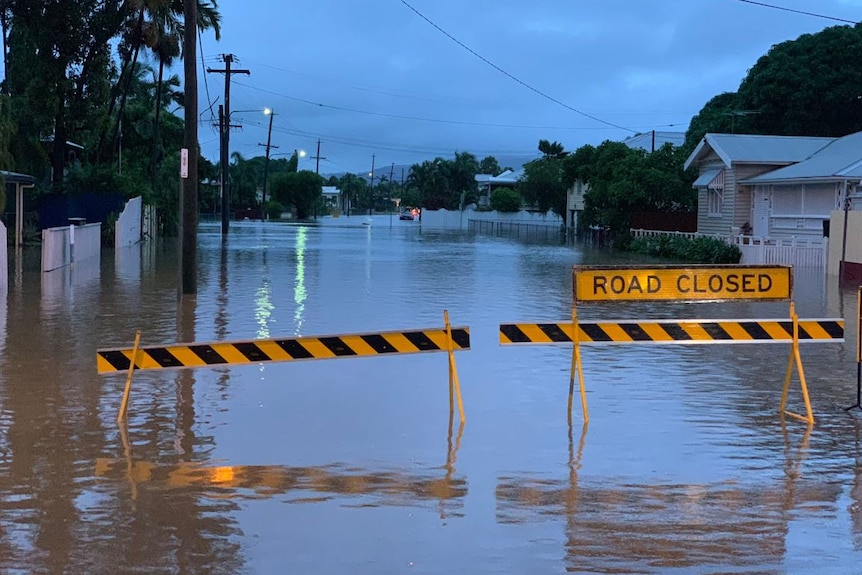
(803, 87)
(300, 190)
(505, 200)
(552, 150)
(489, 165)
(440, 183)
(273, 209)
(720, 115)
(623, 181)
(697, 250)
(542, 185)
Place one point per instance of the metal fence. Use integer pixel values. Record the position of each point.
(517, 229)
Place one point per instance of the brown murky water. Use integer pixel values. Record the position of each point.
(352, 466)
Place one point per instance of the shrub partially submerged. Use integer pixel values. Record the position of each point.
(698, 250)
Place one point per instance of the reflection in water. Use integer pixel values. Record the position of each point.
(263, 302)
(614, 526)
(299, 293)
(375, 488)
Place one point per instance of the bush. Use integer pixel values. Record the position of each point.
(273, 210)
(697, 250)
(505, 200)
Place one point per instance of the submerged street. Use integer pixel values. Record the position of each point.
(353, 465)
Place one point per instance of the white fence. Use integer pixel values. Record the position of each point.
(803, 253)
(67, 244)
(460, 220)
(127, 230)
(4, 262)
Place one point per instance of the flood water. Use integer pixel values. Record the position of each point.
(351, 466)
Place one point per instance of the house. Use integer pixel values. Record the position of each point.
(654, 139)
(488, 183)
(729, 165)
(331, 195)
(798, 199)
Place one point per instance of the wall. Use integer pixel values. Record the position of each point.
(127, 230)
(457, 220)
(836, 239)
(58, 250)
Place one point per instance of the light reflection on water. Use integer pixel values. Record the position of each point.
(685, 467)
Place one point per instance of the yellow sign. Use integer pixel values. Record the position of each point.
(688, 283)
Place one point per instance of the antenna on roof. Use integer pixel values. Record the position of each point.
(734, 113)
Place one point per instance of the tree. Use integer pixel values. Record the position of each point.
(623, 181)
(722, 114)
(244, 176)
(552, 150)
(809, 86)
(301, 190)
(489, 165)
(542, 185)
(442, 183)
(505, 200)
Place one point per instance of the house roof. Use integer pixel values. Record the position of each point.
(840, 159)
(507, 177)
(756, 149)
(15, 178)
(645, 141)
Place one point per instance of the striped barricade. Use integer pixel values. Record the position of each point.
(446, 339)
(695, 331)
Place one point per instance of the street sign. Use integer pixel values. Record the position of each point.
(184, 163)
(683, 283)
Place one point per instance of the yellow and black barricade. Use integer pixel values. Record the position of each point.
(447, 339)
(680, 283)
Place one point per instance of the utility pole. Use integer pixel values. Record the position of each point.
(266, 166)
(225, 136)
(318, 157)
(389, 204)
(189, 188)
(371, 189)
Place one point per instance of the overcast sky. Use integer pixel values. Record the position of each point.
(638, 64)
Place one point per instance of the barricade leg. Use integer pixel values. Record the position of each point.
(796, 358)
(577, 366)
(124, 404)
(454, 383)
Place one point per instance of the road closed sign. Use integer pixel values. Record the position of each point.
(685, 283)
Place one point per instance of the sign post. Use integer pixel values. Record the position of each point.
(695, 283)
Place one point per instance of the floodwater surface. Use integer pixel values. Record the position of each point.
(354, 466)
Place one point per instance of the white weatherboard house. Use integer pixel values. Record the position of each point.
(488, 183)
(789, 190)
(727, 162)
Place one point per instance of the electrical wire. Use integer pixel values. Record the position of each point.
(513, 77)
(437, 120)
(803, 12)
(204, 72)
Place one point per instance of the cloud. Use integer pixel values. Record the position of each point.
(641, 65)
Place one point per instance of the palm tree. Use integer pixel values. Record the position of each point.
(157, 25)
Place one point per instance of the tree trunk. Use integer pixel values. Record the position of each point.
(155, 158)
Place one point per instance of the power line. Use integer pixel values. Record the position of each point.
(511, 76)
(204, 69)
(437, 120)
(382, 145)
(803, 12)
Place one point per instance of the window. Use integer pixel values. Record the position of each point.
(715, 195)
(714, 202)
